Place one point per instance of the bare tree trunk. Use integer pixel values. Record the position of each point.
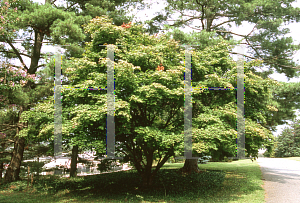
(190, 165)
(73, 170)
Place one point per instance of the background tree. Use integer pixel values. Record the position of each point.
(267, 41)
(288, 143)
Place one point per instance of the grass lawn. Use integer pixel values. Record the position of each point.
(293, 158)
(238, 181)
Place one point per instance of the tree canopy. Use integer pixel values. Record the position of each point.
(149, 104)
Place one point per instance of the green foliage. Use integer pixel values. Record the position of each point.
(35, 167)
(16, 186)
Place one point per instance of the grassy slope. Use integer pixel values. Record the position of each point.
(242, 184)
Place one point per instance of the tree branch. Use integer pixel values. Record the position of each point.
(252, 30)
(267, 61)
(221, 24)
(225, 15)
(171, 116)
(18, 54)
(8, 128)
(6, 153)
(167, 156)
(231, 33)
(184, 21)
(70, 6)
(18, 125)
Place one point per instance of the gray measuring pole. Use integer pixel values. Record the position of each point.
(240, 104)
(110, 136)
(188, 107)
(58, 106)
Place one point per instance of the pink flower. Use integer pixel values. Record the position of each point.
(13, 84)
(16, 8)
(6, 3)
(2, 17)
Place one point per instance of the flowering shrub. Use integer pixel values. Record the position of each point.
(11, 79)
(15, 77)
(4, 13)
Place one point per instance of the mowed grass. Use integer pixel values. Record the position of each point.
(293, 158)
(239, 181)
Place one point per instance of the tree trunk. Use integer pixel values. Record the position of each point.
(73, 170)
(1, 169)
(147, 180)
(13, 171)
(190, 165)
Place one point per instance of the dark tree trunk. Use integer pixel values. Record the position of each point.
(13, 171)
(148, 175)
(73, 170)
(148, 179)
(2, 163)
(190, 165)
(1, 169)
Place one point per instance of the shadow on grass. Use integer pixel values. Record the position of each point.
(125, 186)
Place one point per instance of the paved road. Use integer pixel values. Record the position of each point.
(281, 179)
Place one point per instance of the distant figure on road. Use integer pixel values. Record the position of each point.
(253, 158)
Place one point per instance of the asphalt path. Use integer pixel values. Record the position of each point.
(281, 179)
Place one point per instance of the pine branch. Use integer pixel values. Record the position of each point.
(70, 6)
(17, 53)
(267, 61)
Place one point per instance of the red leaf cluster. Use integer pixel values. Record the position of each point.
(126, 25)
(160, 67)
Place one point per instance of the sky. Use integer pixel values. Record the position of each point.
(244, 29)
